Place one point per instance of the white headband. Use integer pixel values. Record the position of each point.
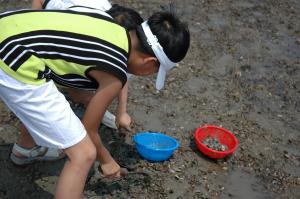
(165, 63)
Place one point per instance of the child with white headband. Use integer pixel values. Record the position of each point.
(125, 17)
(40, 47)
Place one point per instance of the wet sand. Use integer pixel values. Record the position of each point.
(242, 72)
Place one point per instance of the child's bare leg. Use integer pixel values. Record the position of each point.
(73, 176)
(79, 96)
(37, 4)
(25, 139)
(26, 151)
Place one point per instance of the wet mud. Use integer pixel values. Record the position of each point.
(242, 72)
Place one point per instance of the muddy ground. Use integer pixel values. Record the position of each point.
(242, 72)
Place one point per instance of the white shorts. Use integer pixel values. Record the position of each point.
(103, 5)
(44, 111)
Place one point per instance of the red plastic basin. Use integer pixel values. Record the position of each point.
(223, 135)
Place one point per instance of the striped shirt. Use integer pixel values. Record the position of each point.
(63, 46)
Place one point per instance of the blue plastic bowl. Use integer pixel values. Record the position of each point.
(155, 146)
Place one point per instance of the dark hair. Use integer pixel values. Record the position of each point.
(126, 17)
(172, 34)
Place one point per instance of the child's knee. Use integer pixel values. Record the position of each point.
(89, 154)
(83, 153)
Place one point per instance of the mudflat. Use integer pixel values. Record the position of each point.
(242, 72)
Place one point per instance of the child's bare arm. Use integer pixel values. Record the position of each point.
(37, 4)
(124, 120)
(110, 86)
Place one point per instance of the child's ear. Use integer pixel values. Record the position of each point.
(148, 60)
(150, 65)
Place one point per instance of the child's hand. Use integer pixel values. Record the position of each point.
(124, 121)
(110, 169)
